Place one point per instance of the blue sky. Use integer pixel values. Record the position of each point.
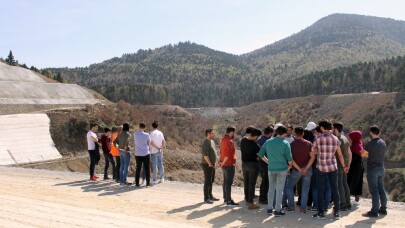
(59, 33)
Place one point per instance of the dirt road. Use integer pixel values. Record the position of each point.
(43, 198)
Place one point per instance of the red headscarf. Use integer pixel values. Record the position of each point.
(357, 144)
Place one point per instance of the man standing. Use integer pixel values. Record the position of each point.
(250, 169)
(108, 158)
(157, 144)
(228, 162)
(142, 142)
(279, 160)
(344, 190)
(91, 147)
(325, 147)
(125, 153)
(375, 151)
(209, 158)
(303, 157)
(116, 153)
(264, 186)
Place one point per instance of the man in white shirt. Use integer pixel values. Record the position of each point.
(157, 144)
(289, 138)
(91, 147)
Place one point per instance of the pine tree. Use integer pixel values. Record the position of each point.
(59, 78)
(10, 59)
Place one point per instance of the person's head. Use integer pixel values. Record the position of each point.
(142, 126)
(337, 128)
(317, 131)
(325, 125)
(155, 124)
(275, 128)
(107, 131)
(249, 130)
(230, 131)
(93, 127)
(299, 132)
(119, 130)
(355, 136)
(268, 131)
(290, 129)
(375, 131)
(281, 131)
(255, 134)
(310, 126)
(125, 127)
(210, 134)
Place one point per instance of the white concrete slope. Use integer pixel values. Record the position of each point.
(26, 138)
(22, 86)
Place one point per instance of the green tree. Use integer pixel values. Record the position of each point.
(59, 78)
(10, 59)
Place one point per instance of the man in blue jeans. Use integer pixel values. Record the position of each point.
(156, 152)
(375, 151)
(303, 157)
(279, 160)
(125, 154)
(325, 147)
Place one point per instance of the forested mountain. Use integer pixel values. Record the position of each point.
(193, 75)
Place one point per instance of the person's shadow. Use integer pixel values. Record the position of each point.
(185, 208)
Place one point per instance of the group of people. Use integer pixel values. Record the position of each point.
(319, 163)
(116, 146)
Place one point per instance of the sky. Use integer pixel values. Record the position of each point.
(77, 33)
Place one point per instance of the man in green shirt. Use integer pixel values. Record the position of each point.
(209, 158)
(279, 160)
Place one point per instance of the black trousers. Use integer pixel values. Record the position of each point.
(229, 174)
(321, 181)
(250, 172)
(117, 167)
(93, 157)
(145, 161)
(264, 186)
(209, 177)
(108, 158)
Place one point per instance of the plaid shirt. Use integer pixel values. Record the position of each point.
(325, 146)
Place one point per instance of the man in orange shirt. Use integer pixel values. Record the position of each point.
(116, 153)
(228, 162)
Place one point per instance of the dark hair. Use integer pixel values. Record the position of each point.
(268, 130)
(281, 130)
(142, 125)
(93, 125)
(318, 129)
(338, 126)
(106, 129)
(325, 124)
(230, 129)
(255, 132)
(208, 131)
(375, 130)
(290, 126)
(155, 124)
(299, 131)
(249, 130)
(125, 127)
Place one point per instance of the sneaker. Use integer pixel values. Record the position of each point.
(279, 213)
(371, 214)
(208, 201)
(349, 207)
(336, 215)
(303, 211)
(314, 209)
(214, 199)
(382, 212)
(284, 206)
(290, 209)
(269, 211)
(143, 182)
(106, 178)
(93, 178)
(162, 180)
(263, 202)
(231, 204)
(253, 206)
(319, 216)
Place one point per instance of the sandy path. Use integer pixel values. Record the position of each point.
(44, 198)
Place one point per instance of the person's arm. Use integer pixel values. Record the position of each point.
(94, 138)
(262, 152)
(349, 155)
(342, 160)
(207, 159)
(296, 166)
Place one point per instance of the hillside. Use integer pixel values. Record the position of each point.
(192, 75)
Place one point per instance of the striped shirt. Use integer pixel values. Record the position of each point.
(325, 146)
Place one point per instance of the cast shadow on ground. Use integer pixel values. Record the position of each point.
(185, 208)
(106, 187)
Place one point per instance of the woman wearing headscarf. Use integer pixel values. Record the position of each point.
(355, 175)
